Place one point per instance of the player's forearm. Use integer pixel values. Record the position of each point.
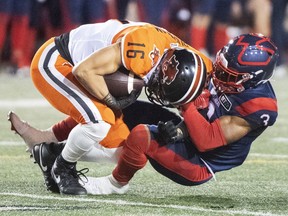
(205, 135)
(94, 84)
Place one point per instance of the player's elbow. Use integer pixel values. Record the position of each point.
(80, 73)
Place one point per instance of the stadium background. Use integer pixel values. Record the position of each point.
(205, 24)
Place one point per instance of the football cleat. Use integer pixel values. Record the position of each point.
(104, 186)
(45, 155)
(67, 178)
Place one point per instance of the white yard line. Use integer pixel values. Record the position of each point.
(11, 143)
(24, 103)
(275, 156)
(127, 203)
(16, 208)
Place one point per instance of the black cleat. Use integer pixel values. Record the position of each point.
(67, 177)
(45, 155)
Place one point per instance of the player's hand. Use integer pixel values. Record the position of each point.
(167, 131)
(119, 104)
(202, 101)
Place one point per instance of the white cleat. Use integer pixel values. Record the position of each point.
(104, 186)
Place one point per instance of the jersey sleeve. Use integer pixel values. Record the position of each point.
(258, 106)
(259, 111)
(136, 48)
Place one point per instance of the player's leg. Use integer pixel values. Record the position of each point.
(53, 78)
(108, 151)
(31, 136)
(28, 133)
(48, 72)
(81, 140)
(177, 161)
(132, 159)
(147, 113)
(143, 112)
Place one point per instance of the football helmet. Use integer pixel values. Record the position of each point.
(245, 62)
(177, 79)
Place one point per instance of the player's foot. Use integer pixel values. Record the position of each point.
(45, 155)
(104, 186)
(20, 127)
(29, 134)
(67, 178)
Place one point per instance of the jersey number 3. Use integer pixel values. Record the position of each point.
(265, 118)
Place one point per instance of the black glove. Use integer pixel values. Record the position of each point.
(121, 103)
(170, 133)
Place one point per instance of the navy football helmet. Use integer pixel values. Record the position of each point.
(245, 62)
(177, 79)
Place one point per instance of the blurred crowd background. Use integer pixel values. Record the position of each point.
(206, 25)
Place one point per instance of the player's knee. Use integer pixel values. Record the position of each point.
(86, 135)
(139, 138)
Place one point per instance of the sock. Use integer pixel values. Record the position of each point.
(133, 156)
(62, 129)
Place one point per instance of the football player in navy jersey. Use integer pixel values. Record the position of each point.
(218, 128)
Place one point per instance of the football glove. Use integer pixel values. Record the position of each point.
(121, 103)
(171, 133)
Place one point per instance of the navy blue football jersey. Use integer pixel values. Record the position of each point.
(258, 106)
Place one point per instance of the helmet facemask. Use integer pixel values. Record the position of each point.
(153, 89)
(227, 80)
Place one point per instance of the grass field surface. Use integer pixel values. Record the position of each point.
(258, 187)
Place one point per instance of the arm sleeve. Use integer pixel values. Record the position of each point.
(205, 135)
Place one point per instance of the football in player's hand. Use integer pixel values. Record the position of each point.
(122, 82)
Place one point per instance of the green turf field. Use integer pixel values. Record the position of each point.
(258, 187)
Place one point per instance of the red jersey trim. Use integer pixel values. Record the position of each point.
(257, 104)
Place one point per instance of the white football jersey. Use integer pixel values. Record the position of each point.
(86, 39)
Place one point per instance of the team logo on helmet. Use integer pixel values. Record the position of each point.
(260, 42)
(170, 70)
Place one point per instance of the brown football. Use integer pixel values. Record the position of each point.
(122, 82)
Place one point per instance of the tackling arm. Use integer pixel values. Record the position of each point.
(206, 135)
